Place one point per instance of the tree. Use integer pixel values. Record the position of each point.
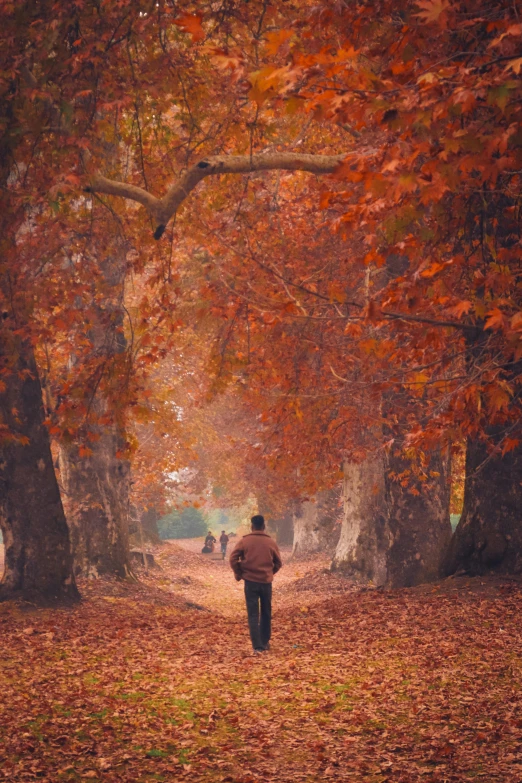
(445, 169)
(94, 465)
(396, 526)
(38, 560)
(282, 525)
(85, 67)
(418, 137)
(488, 536)
(187, 523)
(315, 524)
(457, 264)
(63, 71)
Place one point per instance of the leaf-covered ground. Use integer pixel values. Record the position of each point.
(136, 685)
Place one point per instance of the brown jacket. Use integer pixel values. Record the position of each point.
(256, 558)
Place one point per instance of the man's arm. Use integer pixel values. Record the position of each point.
(276, 559)
(235, 560)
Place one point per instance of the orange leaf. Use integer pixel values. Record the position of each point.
(460, 309)
(276, 39)
(509, 445)
(432, 11)
(498, 397)
(495, 320)
(514, 65)
(432, 270)
(191, 23)
(516, 322)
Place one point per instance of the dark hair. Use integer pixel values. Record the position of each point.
(258, 522)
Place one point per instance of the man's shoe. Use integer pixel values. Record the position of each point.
(266, 647)
(258, 651)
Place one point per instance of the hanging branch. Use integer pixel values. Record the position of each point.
(163, 209)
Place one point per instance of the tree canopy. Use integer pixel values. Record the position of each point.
(304, 215)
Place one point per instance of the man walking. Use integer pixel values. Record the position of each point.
(223, 540)
(256, 559)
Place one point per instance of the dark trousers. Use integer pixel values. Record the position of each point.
(258, 598)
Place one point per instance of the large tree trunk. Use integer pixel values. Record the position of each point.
(96, 487)
(314, 524)
(96, 496)
(38, 560)
(283, 527)
(143, 525)
(393, 535)
(419, 521)
(364, 543)
(489, 534)
(306, 529)
(149, 524)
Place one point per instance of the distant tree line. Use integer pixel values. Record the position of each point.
(189, 522)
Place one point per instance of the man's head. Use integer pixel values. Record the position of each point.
(258, 522)
(222, 531)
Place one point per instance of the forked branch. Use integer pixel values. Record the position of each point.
(163, 209)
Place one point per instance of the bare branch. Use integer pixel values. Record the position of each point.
(112, 187)
(432, 321)
(163, 209)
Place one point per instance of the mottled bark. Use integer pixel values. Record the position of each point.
(419, 521)
(163, 209)
(393, 535)
(96, 497)
(314, 524)
(306, 529)
(283, 527)
(38, 560)
(96, 487)
(395, 527)
(364, 543)
(149, 523)
(488, 537)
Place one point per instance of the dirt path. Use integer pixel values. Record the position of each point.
(133, 686)
(208, 581)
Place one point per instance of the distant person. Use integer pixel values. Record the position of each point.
(256, 558)
(208, 547)
(223, 540)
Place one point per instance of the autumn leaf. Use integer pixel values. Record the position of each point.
(514, 30)
(495, 319)
(276, 39)
(509, 444)
(191, 23)
(338, 651)
(515, 65)
(516, 322)
(499, 397)
(460, 309)
(433, 11)
(432, 270)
